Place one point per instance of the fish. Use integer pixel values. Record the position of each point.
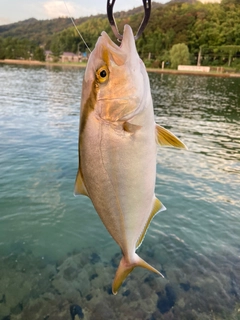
(118, 140)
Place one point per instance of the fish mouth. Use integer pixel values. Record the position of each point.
(121, 98)
(109, 53)
(118, 54)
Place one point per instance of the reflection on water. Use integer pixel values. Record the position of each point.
(54, 249)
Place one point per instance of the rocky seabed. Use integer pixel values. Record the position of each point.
(79, 287)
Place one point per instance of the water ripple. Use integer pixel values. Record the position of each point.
(38, 161)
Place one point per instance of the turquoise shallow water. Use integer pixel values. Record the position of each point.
(195, 243)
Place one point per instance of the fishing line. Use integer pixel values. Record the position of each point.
(76, 27)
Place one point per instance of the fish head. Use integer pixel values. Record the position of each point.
(118, 77)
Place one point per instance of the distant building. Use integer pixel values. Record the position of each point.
(65, 57)
(48, 55)
(70, 57)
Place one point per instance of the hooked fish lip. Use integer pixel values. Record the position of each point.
(127, 32)
(128, 42)
(118, 53)
(107, 40)
(110, 51)
(127, 35)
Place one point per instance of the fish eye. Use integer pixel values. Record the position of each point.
(102, 74)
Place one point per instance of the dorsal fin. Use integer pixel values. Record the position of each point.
(80, 186)
(157, 207)
(167, 138)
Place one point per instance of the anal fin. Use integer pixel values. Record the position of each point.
(157, 207)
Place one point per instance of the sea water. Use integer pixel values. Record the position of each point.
(54, 250)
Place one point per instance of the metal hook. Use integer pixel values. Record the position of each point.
(147, 11)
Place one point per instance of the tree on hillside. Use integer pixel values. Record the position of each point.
(39, 54)
(2, 49)
(230, 51)
(56, 48)
(230, 2)
(179, 54)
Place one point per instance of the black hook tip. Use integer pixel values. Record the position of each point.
(147, 12)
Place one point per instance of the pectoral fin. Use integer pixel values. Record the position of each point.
(80, 186)
(130, 127)
(157, 207)
(167, 138)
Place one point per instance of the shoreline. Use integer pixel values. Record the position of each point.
(154, 70)
(39, 63)
(195, 73)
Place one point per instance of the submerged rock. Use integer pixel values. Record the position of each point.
(70, 273)
(167, 299)
(108, 289)
(4, 312)
(94, 258)
(185, 286)
(170, 293)
(126, 293)
(115, 260)
(103, 311)
(89, 297)
(163, 304)
(76, 310)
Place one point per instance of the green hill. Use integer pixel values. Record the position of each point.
(41, 31)
(212, 28)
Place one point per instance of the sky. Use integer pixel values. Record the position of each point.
(18, 10)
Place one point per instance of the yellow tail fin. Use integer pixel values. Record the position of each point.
(125, 268)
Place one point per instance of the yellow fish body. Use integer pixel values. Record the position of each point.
(118, 146)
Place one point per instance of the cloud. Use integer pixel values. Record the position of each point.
(55, 9)
(48, 9)
(4, 20)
